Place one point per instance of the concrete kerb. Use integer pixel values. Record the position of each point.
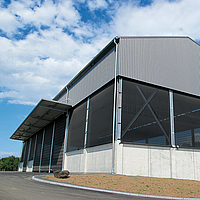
(39, 179)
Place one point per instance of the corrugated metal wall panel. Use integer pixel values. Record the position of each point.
(38, 151)
(47, 148)
(26, 154)
(100, 74)
(63, 98)
(32, 147)
(169, 62)
(23, 152)
(58, 144)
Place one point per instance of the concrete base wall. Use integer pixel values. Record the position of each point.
(20, 168)
(164, 162)
(133, 160)
(91, 160)
(29, 167)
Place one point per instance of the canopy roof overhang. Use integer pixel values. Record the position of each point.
(45, 112)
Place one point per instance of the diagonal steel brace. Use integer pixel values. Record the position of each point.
(138, 113)
(154, 114)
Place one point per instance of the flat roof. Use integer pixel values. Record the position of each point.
(45, 112)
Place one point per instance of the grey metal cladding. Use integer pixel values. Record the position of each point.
(172, 62)
(100, 74)
(63, 99)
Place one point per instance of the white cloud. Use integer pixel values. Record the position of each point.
(6, 154)
(97, 4)
(39, 65)
(8, 22)
(160, 18)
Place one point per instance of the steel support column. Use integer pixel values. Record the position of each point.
(65, 139)
(52, 140)
(119, 109)
(86, 123)
(171, 102)
(116, 41)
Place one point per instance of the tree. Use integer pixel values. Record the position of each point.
(9, 164)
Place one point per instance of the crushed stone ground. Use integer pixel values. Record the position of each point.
(133, 184)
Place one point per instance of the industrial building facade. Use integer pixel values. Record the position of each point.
(133, 110)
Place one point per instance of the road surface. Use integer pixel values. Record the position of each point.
(20, 186)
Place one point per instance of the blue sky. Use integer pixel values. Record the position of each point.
(43, 44)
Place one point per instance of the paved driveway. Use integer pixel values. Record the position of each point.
(20, 186)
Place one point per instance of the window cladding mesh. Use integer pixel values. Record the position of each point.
(23, 152)
(58, 144)
(26, 154)
(101, 117)
(197, 137)
(184, 138)
(47, 147)
(76, 131)
(186, 119)
(38, 151)
(32, 147)
(145, 114)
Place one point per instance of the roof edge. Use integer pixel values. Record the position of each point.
(14, 136)
(106, 49)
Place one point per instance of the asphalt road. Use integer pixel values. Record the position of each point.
(20, 186)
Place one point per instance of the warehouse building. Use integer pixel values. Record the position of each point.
(133, 110)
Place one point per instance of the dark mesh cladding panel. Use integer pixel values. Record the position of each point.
(187, 120)
(197, 137)
(76, 131)
(32, 147)
(101, 117)
(23, 152)
(145, 120)
(47, 147)
(58, 144)
(38, 151)
(26, 155)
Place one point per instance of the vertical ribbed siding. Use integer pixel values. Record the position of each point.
(32, 147)
(62, 99)
(38, 151)
(199, 70)
(23, 152)
(100, 74)
(58, 144)
(169, 62)
(26, 154)
(47, 147)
